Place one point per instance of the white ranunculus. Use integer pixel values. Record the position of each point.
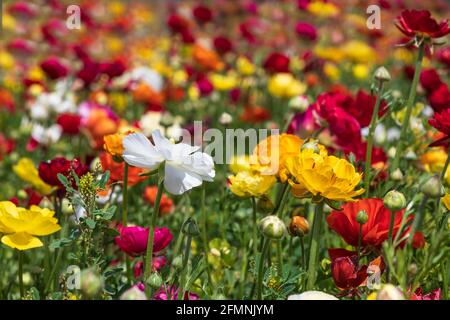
(46, 136)
(312, 295)
(185, 166)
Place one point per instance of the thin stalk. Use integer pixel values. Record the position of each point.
(22, 293)
(255, 228)
(314, 247)
(125, 217)
(280, 258)
(391, 228)
(359, 241)
(373, 125)
(151, 233)
(58, 256)
(187, 250)
(303, 253)
(279, 205)
(203, 232)
(418, 218)
(409, 107)
(260, 274)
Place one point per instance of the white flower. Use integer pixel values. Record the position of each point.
(46, 136)
(150, 121)
(185, 167)
(148, 76)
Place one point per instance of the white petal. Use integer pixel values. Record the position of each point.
(201, 164)
(178, 181)
(162, 144)
(139, 152)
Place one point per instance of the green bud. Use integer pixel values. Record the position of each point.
(134, 293)
(381, 74)
(177, 262)
(66, 207)
(362, 217)
(272, 227)
(154, 280)
(166, 120)
(397, 175)
(190, 228)
(22, 194)
(91, 283)
(46, 203)
(264, 205)
(433, 187)
(394, 200)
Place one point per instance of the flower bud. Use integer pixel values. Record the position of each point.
(264, 204)
(134, 293)
(299, 226)
(154, 280)
(91, 283)
(66, 207)
(177, 262)
(397, 175)
(394, 200)
(390, 292)
(381, 74)
(311, 145)
(433, 187)
(298, 103)
(272, 227)
(190, 228)
(362, 217)
(46, 203)
(225, 118)
(22, 194)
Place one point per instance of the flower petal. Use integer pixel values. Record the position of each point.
(139, 152)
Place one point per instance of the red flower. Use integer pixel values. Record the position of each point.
(420, 23)
(443, 56)
(177, 23)
(441, 121)
(222, 44)
(54, 68)
(166, 204)
(276, 62)
(362, 107)
(306, 30)
(374, 232)
(433, 295)
(347, 273)
(48, 171)
(202, 14)
(418, 240)
(440, 98)
(114, 68)
(116, 170)
(430, 80)
(255, 114)
(133, 240)
(70, 123)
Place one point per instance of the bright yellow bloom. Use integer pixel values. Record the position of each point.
(323, 9)
(331, 71)
(244, 66)
(284, 85)
(240, 163)
(322, 175)
(21, 226)
(329, 53)
(26, 171)
(250, 184)
(359, 51)
(223, 82)
(6, 60)
(360, 71)
(434, 160)
(446, 200)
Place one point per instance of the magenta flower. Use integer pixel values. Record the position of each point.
(133, 240)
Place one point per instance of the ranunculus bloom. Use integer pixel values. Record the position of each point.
(202, 14)
(48, 171)
(276, 63)
(306, 30)
(420, 23)
(171, 293)
(6, 100)
(433, 295)
(441, 121)
(374, 232)
(70, 123)
(166, 204)
(255, 114)
(361, 107)
(207, 59)
(177, 23)
(440, 98)
(222, 44)
(54, 68)
(430, 80)
(116, 170)
(418, 240)
(133, 240)
(27, 171)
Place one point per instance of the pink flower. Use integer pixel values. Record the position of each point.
(171, 293)
(306, 30)
(133, 240)
(54, 68)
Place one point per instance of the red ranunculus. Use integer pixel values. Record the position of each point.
(48, 171)
(443, 56)
(222, 44)
(133, 240)
(70, 123)
(306, 30)
(419, 22)
(54, 68)
(177, 23)
(276, 62)
(202, 14)
(441, 121)
(347, 273)
(430, 80)
(433, 295)
(418, 240)
(362, 107)
(374, 232)
(440, 98)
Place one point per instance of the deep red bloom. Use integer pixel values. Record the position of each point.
(439, 99)
(177, 23)
(171, 293)
(374, 232)
(347, 273)
(222, 44)
(133, 240)
(306, 30)
(202, 14)
(419, 22)
(7, 145)
(362, 107)
(54, 68)
(22, 9)
(158, 262)
(70, 123)
(255, 114)
(430, 80)
(433, 295)
(443, 56)
(441, 121)
(204, 86)
(48, 171)
(418, 240)
(276, 62)
(114, 68)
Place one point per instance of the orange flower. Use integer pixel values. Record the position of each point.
(6, 100)
(146, 94)
(208, 59)
(113, 144)
(166, 204)
(99, 124)
(116, 170)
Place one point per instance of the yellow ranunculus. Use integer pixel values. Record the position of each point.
(331, 71)
(250, 184)
(284, 85)
(446, 200)
(113, 144)
(223, 82)
(434, 160)
(21, 226)
(322, 175)
(244, 66)
(240, 163)
(26, 171)
(322, 9)
(359, 51)
(360, 71)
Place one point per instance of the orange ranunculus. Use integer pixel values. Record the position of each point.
(113, 144)
(270, 155)
(116, 170)
(166, 204)
(146, 94)
(208, 59)
(99, 124)
(255, 114)
(6, 100)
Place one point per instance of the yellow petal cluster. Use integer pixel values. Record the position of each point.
(284, 85)
(250, 183)
(26, 171)
(21, 227)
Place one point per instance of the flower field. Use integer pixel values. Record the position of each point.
(209, 150)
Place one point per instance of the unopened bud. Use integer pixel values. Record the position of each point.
(22, 194)
(177, 262)
(66, 207)
(91, 283)
(134, 293)
(362, 217)
(272, 227)
(154, 280)
(299, 226)
(397, 175)
(190, 228)
(433, 187)
(225, 118)
(166, 120)
(394, 200)
(298, 103)
(381, 74)
(390, 292)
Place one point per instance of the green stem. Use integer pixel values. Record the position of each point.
(187, 250)
(260, 274)
(280, 202)
(391, 228)
(373, 125)
(203, 233)
(314, 247)
(255, 228)
(280, 259)
(359, 241)
(303, 253)
(21, 274)
(409, 107)
(125, 216)
(58, 257)
(151, 233)
(418, 218)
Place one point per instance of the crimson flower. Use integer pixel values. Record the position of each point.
(433, 295)
(440, 98)
(346, 272)
(48, 171)
(441, 121)
(374, 232)
(222, 44)
(276, 62)
(420, 23)
(306, 30)
(70, 123)
(202, 14)
(54, 68)
(133, 240)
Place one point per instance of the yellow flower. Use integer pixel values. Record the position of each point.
(6, 60)
(21, 226)
(329, 53)
(446, 200)
(434, 160)
(113, 144)
(359, 51)
(284, 85)
(360, 71)
(193, 93)
(223, 82)
(240, 163)
(323, 9)
(250, 184)
(322, 175)
(331, 71)
(26, 171)
(244, 66)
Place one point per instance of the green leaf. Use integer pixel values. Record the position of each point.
(90, 223)
(59, 243)
(104, 179)
(63, 179)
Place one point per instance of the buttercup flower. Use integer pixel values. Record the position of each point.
(284, 85)
(185, 167)
(26, 171)
(250, 184)
(21, 226)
